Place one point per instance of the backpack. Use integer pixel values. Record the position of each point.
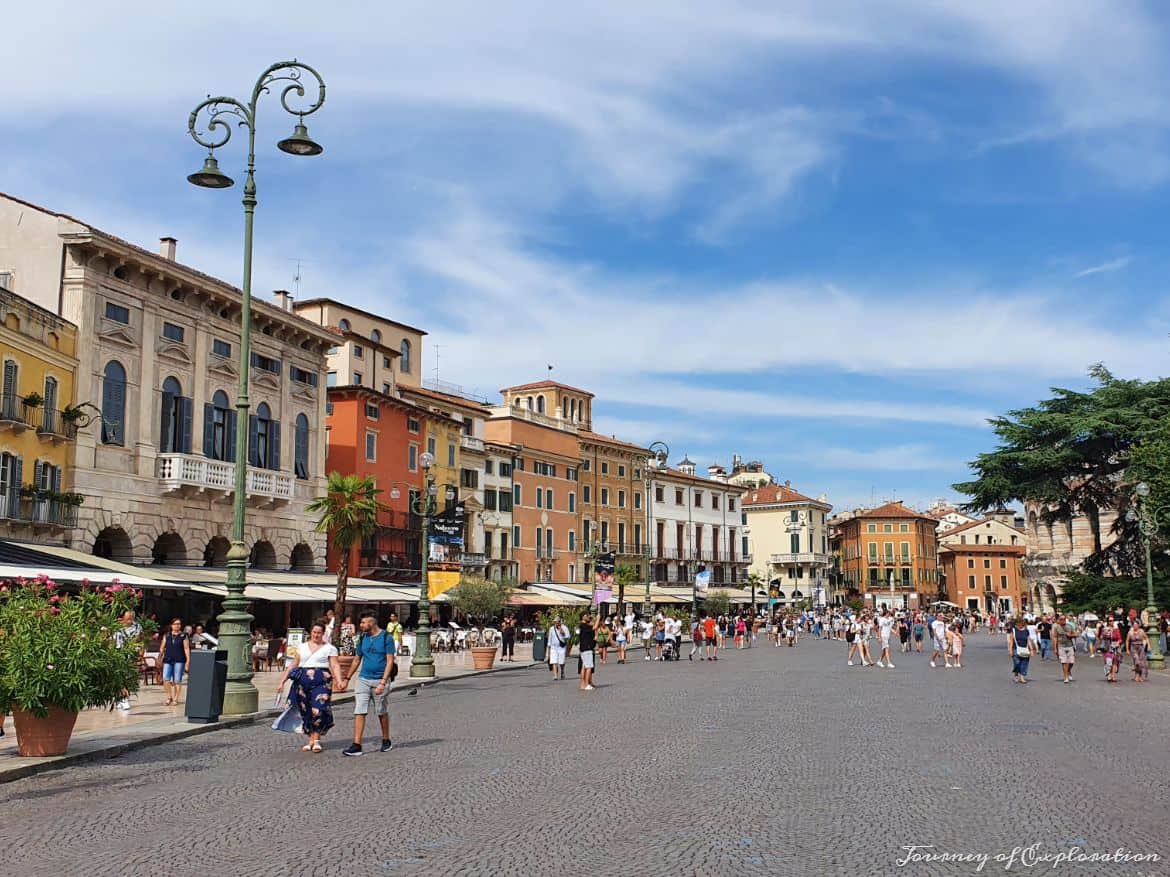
(391, 657)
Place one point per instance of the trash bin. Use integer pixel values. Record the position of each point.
(539, 646)
(206, 680)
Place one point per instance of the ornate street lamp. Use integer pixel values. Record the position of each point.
(1148, 521)
(223, 113)
(422, 663)
(656, 462)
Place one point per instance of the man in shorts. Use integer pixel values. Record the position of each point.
(647, 630)
(1066, 632)
(586, 642)
(374, 668)
(938, 639)
(885, 626)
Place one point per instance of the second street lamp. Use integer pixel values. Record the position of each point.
(655, 463)
(221, 114)
(1148, 521)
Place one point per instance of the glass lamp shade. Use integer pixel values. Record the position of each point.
(1142, 489)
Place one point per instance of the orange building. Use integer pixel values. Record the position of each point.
(612, 501)
(541, 421)
(981, 564)
(383, 437)
(888, 556)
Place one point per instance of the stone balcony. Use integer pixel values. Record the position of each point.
(800, 557)
(471, 443)
(187, 474)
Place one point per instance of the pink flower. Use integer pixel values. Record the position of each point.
(49, 667)
(56, 610)
(54, 599)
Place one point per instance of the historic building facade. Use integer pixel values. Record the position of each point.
(981, 566)
(160, 361)
(1057, 548)
(39, 422)
(612, 501)
(888, 556)
(790, 535)
(498, 490)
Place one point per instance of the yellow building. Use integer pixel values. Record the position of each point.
(38, 421)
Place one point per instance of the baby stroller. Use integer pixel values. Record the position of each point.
(670, 650)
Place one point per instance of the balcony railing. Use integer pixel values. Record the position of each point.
(800, 557)
(55, 426)
(37, 512)
(184, 472)
(501, 555)
(473, 559)
(15, 413)
(471, 443)
(535, 417)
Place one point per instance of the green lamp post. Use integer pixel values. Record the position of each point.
(422, 663)
(1148, 522)
(655, 463)
(220, 115)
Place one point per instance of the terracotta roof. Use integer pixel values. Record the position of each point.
(469, 404)
(982, 549)
(893, 510)
(539, 385)
(396, 401)
(304, 303)
(770, 494)
(586, 436)
(675, 474)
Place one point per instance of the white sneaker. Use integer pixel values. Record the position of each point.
(647, 657)
(588, 687)
(948, 666)
(880, 664)
(124, 704)
(850, 663)
(890, 666)
(932, 663)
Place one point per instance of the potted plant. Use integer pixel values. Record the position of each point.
(480, 600)
(348, 514)
(71, 498)
(71, 414)
(28, 491)
(58, 656)
(34, 400)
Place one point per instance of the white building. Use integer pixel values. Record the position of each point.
(159, 359)
(696, 523)
(790, 532)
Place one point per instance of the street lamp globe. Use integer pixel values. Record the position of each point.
(1131, 516)
(427, 459)
(300, 143)
(210, 176)
(1142, 489)
(433, 490)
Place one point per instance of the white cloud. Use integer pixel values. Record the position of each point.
(896, 458)
(1106, 267)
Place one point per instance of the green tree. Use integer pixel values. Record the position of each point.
(480, 599)
(755, 582)
(717, 603)
(1086, 592)
(625, 576)
(1071, 453)
(347, 513)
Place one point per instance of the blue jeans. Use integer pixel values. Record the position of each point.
(1045, 648)
(173, 671)
(1020, 665)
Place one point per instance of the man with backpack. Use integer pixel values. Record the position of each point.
(375, 669)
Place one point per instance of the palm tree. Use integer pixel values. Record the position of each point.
(754, 582)
(348, 514)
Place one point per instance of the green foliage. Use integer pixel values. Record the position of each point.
(1150, 462)
(59, 651)
(717, 603)
(1085, 592)
(625, 577)
(570, 615)
(348, 513)
(1071, 452)
(480, 599)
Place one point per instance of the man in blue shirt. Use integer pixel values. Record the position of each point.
(374, 671)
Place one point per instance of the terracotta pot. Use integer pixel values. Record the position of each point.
(346, 663)
(39, 738)
(483, 657)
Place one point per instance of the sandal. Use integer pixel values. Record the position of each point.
(316, 748)
(308, 747)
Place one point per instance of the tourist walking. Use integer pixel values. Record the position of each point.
(602, 639)
(1021, 648)
(1066, 634)
(374, 666)
(586, 643)
(559, 637)
(646, 627)
(175, 653)
(622, 636)
(1044, 628)
(1136, 643)
(312, 671)
(128, 635)
(1111, 645)
(711, 638)
(957, 642)
(740, 631)
(508, 638)
(938, 641)
(919, 631)
(885, 626)
(696, 638)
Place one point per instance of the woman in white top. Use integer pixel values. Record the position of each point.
(559, 640)
(312, 672)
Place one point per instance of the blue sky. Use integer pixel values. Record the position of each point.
(831, 236)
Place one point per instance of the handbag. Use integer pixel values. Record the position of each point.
(1022, 652)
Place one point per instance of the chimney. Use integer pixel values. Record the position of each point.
(166, 248)
(283, 299)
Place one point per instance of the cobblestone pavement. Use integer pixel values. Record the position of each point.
(772, 761)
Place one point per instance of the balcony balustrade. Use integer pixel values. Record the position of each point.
(189, 473)
(471, 443)
(36, 512)
(800, 557)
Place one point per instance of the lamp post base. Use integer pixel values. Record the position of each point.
(1157, 659)
(422, 664)
(240, 699)
(235, 637)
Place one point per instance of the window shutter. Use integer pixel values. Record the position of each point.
(37, 473)
(186, 418)
(274, 445)
(17, 480)
(167, 427)
(209, 430)
(9, 380)
(253, 439)
(55, 479)
(232, 418)
(50, 396)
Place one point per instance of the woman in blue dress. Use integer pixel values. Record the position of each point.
(312, 673)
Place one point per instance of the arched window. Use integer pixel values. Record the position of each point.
(540, 404)
(376, 337)
(404, 360)
(343, 325)
(219, 428)
(174, 435)
(114, 404)
(301, 447)
(263, 439)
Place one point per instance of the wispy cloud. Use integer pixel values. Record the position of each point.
(1106, 267)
